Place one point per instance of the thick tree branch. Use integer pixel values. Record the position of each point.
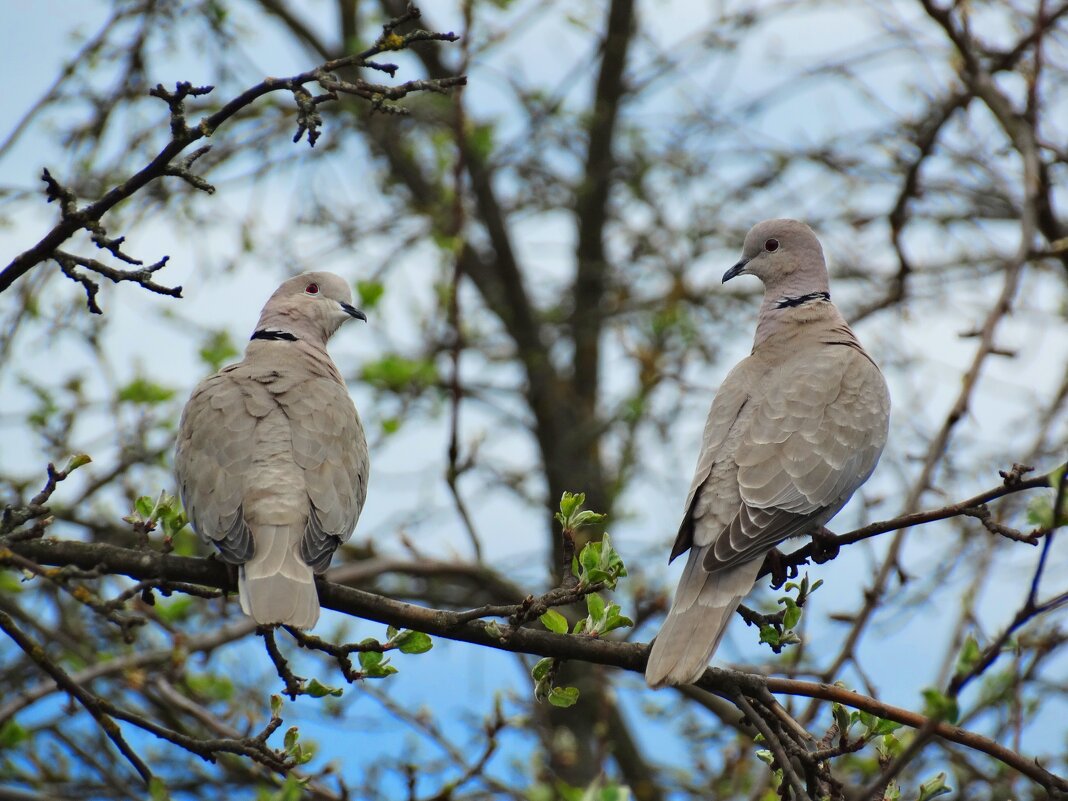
(145, 565)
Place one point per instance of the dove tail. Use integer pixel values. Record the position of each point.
(704, 603)
(276, 586)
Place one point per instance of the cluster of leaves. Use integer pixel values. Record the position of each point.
(165, 513)
(780, 631)
(597, 566)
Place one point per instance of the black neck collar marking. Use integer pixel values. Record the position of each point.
(264, 333)
(798, 300)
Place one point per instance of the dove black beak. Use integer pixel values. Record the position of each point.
(352, 311)
(736, 270)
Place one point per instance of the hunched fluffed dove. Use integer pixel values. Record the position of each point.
(272, 462)
(795, 428)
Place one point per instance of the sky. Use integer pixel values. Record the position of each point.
(150, 335)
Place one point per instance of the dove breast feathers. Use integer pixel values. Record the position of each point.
(258, 446)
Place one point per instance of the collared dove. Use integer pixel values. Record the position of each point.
(795, 428)
(272, 462)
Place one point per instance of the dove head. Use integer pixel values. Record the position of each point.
(786, 256)
(310, 307)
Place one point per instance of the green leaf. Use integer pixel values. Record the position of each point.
(12, 733)
(276, 705)
(586, 518)
(554, 622)
(292, 790)
(145, 506)
(590, 557)
(317, 689)
(968, 657)
(480, 139)
(792, 615)
(370, 659)
(291, 738)
(841, 717)
(595, 606)
(765, 756)
(9, 583)
(175, 609)
(563, 696)
(890, 747)
(215, 686)
(76, 461)
(414, 642)
(395, 373)
(886, 727)
(541, 668)
(141, 390)
(157, 790)
(769, 634)
(370, 293)
(934, 788)
(571, 501)
(217, 349)
(940, 706)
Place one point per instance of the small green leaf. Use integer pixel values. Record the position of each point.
(276, 705)
(145, 506)
(940, 706)
(841, 718)
(290, 741)
(968, 657)
(217, 349)
(569, 502)
(12, 733)
(292, 790)
(76, 461)
(563, 696)
(391, 632)
(541, 668)
(765, 756)
(886, 727)
(370, 293)
(890, 747)
(590, 557)
(175, 609)
(398, 374)
(317, 689)
(414, 642)
(586, 518)
(595, 606)
(769, 635)
(934, 788)
(157, 790)
(370, 659)
(141, 390)
(554, 622)
(792, 615)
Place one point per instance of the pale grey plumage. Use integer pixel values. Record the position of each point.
(795, 428)
(271, 462)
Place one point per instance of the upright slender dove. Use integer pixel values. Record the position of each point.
(272, 462)
(795, 428)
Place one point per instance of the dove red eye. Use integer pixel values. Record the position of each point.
(771, 245)
(312, 289)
